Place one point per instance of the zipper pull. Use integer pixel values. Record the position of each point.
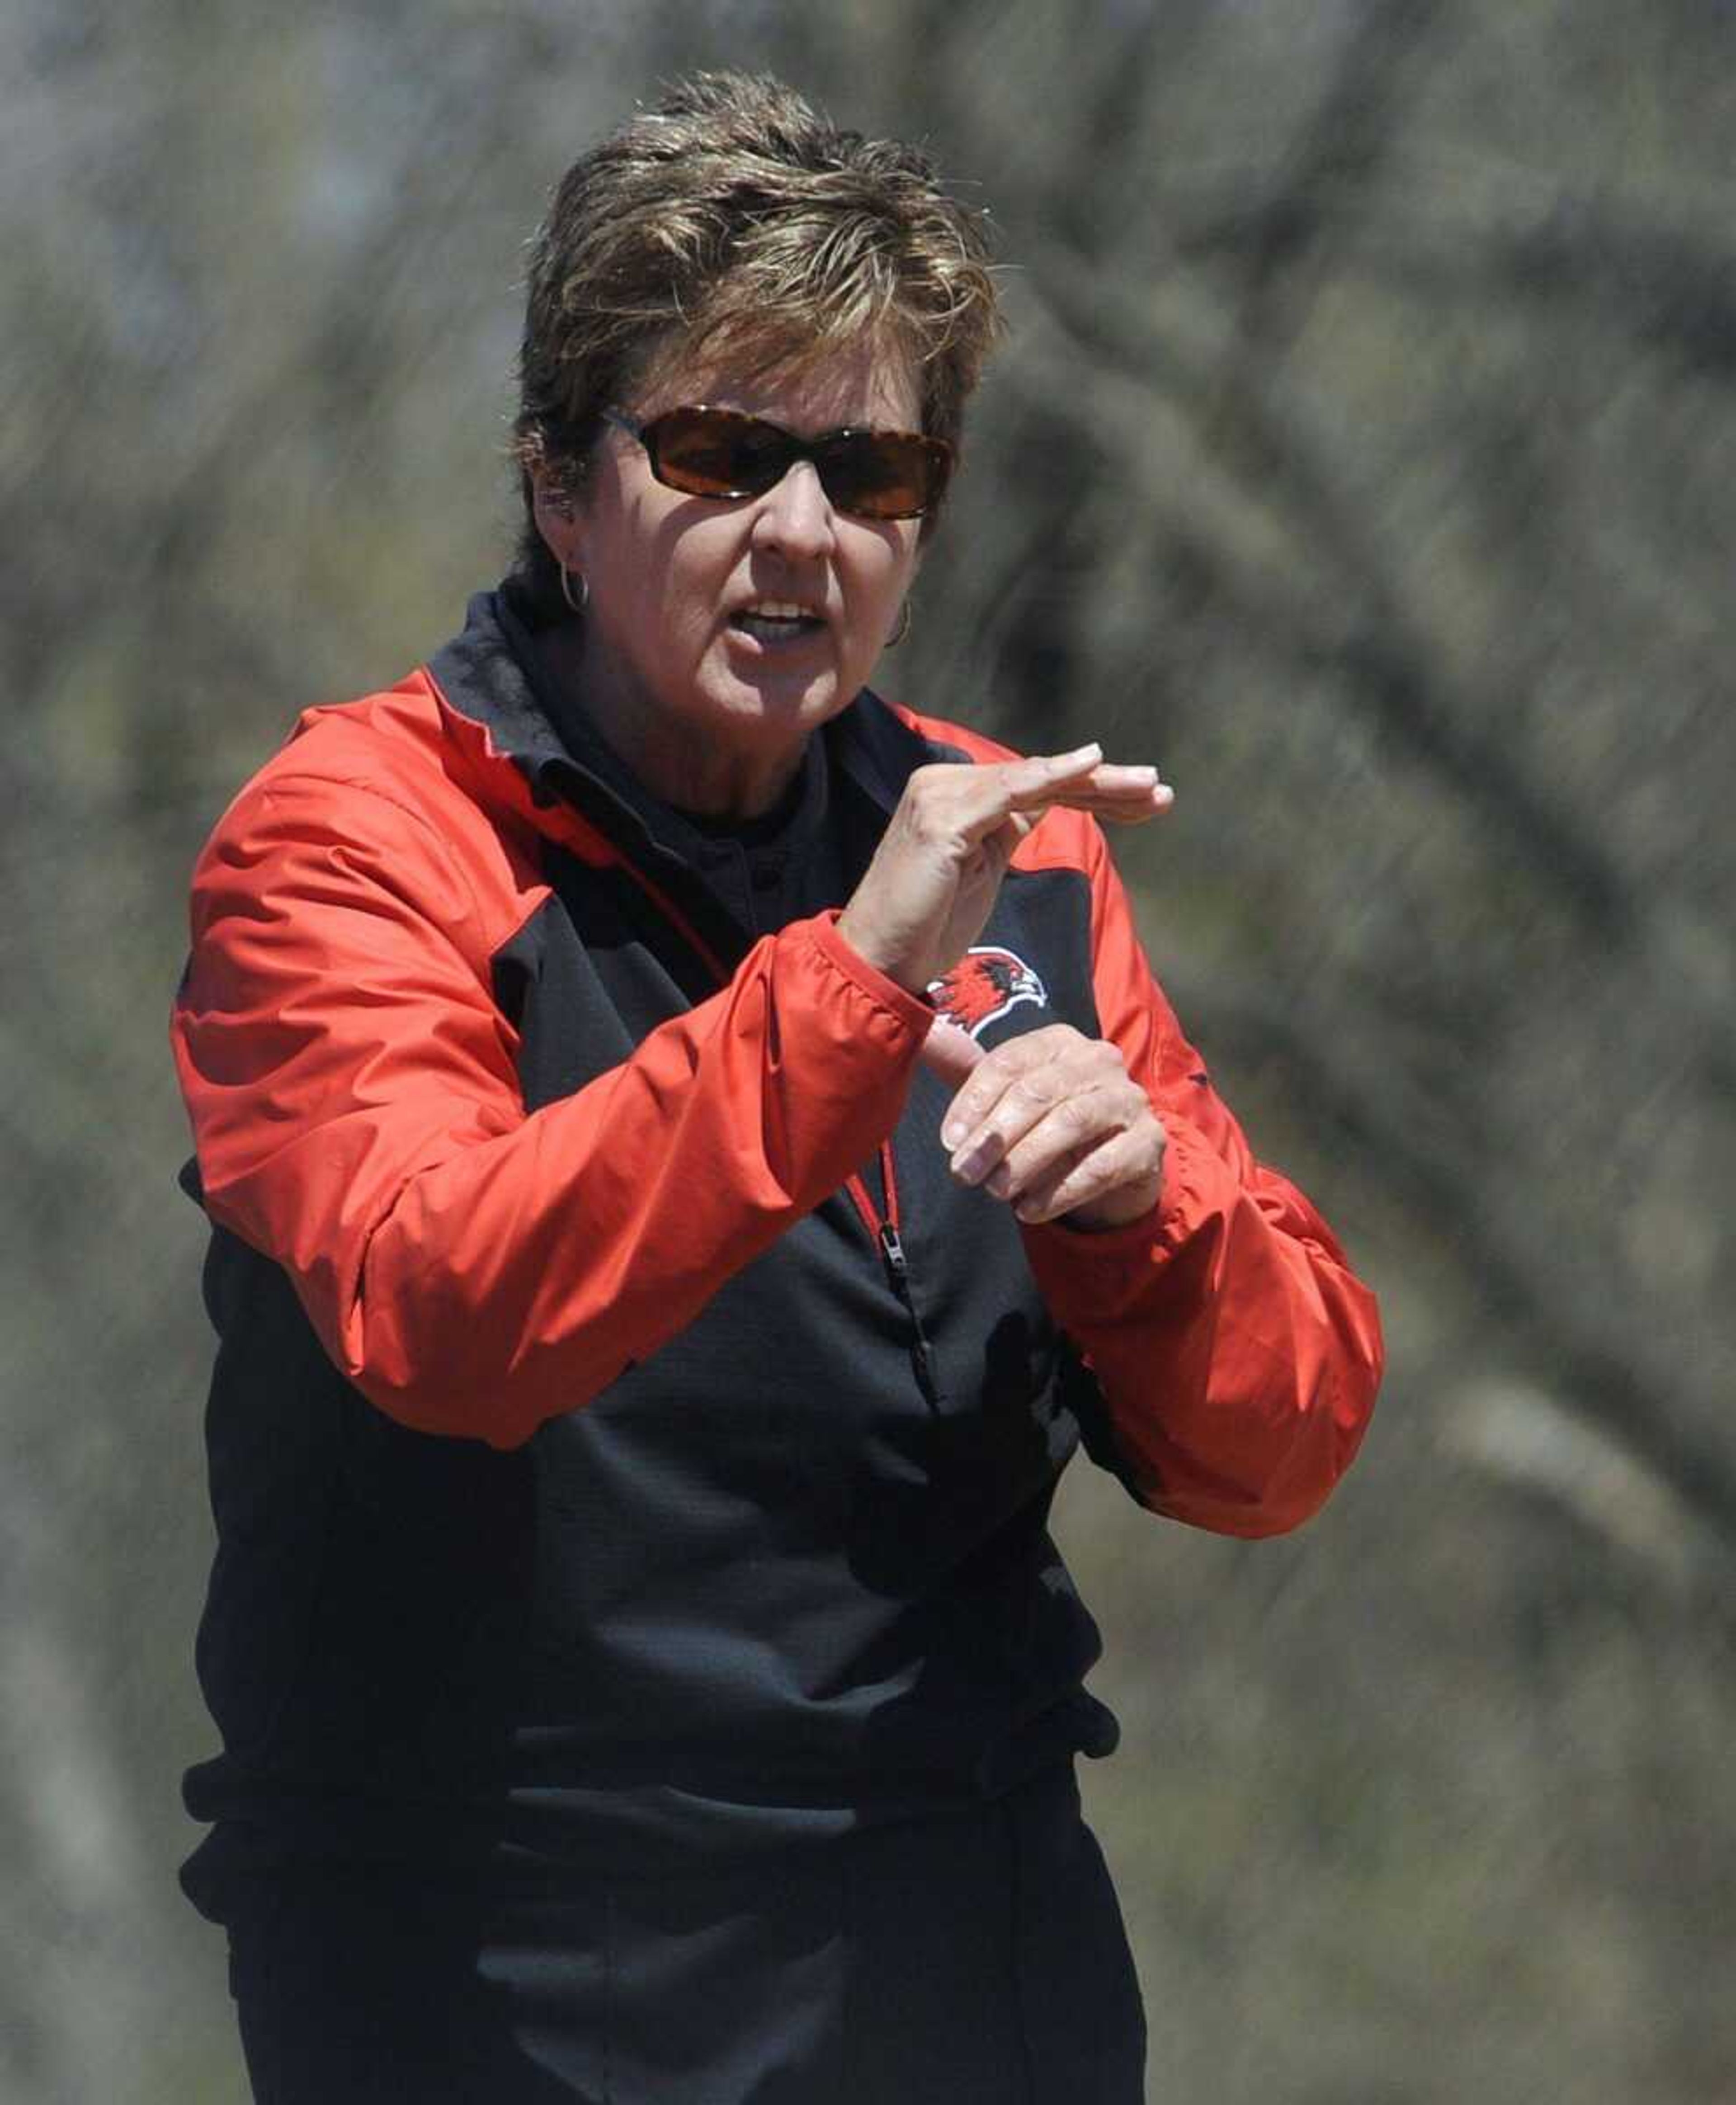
(898, 1271)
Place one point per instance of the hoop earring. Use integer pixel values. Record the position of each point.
(583, 601)
(902, 629)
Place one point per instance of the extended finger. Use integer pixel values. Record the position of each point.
(1129, 804)
(1136, 796)
(1162, 801)
(1111, 784)
(1037, 777)
(951, 1053)
(1041, 768)
(969, 802)
(1115, 778)
(978, 801)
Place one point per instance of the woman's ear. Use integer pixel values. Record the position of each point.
(555, 515)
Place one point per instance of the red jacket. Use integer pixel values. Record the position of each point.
(500, 1088)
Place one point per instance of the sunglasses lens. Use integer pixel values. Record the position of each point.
(721, 453)
(882, 475)
(715, 453)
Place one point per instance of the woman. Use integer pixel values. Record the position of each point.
(691, 1148)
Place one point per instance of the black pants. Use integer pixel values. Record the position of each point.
(977, 1960)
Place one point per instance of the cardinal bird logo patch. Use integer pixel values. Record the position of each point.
(984, 984)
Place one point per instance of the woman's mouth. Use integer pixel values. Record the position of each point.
(773, 622)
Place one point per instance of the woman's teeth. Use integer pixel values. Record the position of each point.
(775, 624)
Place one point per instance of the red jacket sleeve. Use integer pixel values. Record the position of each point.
(472, 1268)
(1237, 1354)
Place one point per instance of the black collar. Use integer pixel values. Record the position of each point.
(490, 672)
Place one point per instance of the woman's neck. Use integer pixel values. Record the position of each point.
(713, 781)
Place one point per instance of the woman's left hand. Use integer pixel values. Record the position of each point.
(1052, 1123)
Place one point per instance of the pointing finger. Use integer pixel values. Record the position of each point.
(951, 1053)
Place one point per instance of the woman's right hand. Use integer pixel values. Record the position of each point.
(926, 896)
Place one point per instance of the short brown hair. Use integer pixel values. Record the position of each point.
(734, 219)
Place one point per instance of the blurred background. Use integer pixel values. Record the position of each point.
(1365, 452)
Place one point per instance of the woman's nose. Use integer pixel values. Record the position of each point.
(795, 515)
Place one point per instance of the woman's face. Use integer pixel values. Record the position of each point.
(722, 632)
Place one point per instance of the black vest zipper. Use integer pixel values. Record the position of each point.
(884, 1229)
(898, 1271)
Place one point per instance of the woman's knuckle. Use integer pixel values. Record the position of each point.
(1077, 1114)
